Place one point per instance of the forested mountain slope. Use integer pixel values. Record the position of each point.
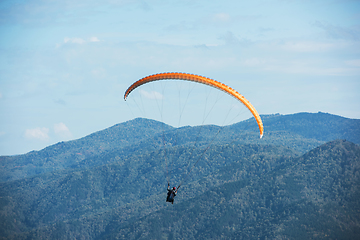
(315, 196)
(301, 132)
(112, 184)
(72, 194)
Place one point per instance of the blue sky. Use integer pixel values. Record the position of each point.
(65, 65)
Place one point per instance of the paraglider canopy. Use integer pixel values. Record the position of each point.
(203, 80)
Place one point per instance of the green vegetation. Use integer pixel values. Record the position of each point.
(242, 187)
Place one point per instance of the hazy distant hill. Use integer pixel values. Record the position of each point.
(65, 155)
(320, 126)
(304, 131)
(301, 132)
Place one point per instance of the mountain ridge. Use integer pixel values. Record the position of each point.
(150, 133)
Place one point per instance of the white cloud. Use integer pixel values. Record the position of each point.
(77, 40)
(151, 95)
(74, 40)
(307, 46)
(37, 133)
(221, 17)
(252, 62)
(98, 73)
(338, 32)
(94, 39)
(355, 63)
(62, 130)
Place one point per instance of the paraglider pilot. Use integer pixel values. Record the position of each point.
(171, 194)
